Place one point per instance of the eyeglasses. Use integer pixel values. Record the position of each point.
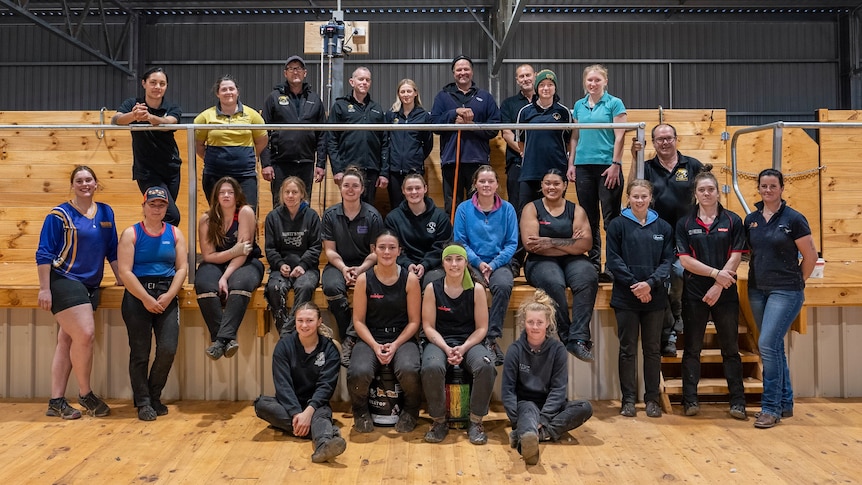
(294, 69)
(662, 141)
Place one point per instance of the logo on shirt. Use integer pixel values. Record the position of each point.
(106, 225)
(544, 223)
(396, 121)
(479, 99)
(692, 232)
(444, 308)
(361, 229)
(556, 116)
(682, 175)
(320, 360)
(283, 100)
(658, 237)
(351, 108)
(525, 368)
(376, 296)
(291, 238)
(166, 243)
(431, 227)
(752, 225)
(723, 229)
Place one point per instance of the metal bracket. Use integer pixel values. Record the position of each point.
(101, 133)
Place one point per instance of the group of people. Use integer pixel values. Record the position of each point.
(418, 279)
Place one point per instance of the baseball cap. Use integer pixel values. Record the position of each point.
(294, 59)
(156, 193)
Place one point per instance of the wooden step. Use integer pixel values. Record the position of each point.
(713, 385)
(711, 356)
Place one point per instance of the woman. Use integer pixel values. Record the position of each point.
(156, 155)
(349, 228)
(407, 149)
(386, 312)
(228, 152)
(230, 270)
(597, 166)
(76, 238)
(153, 263)
(556, 234)
(543, 149)
(536, 379)
(488, 228)
(455, 321)
(777, 234)
(293, 251)
(710, 242)
(639, 255)
(422, 227)
(305, 373)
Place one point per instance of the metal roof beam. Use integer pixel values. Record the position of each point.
(511, 20)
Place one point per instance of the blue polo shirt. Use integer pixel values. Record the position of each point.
(596, 147)
(774, 256)
(543, 149)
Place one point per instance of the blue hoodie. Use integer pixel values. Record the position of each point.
(490, 238)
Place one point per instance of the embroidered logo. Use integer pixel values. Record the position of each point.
(431, 227)
(444, 308)
(658, 237)
(320, 360)
(283, 100)
(351, 108)
(376, 296)
(682, 175)
(556, 116)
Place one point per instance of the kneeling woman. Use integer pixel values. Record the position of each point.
(305, 367)
(153, 263)
(386, 311)
(535, 380)
(640, 253)
(230, 270)
(455, 321)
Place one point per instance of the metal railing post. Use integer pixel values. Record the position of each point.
(192, 220)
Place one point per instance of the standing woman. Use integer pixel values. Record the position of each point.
(777, 234)
(597, 166)
(422, 228)
(710, 242)
(228, 152)
(153, 262)
(639, 255)
(407, 149)
(76, 238)
(230, 270)
(536, 380)
(455, 321)
(348, 229)
(488, 228)
(156, 156)
(386, 313)
(293, 251)
(556, 234)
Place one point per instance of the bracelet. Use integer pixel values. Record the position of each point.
(714, 273)
(617, 163)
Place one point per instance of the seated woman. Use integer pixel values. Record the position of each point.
(422, 227)
(455, 321)
(488, 228)
(640, 253)
(535, 381)
(230, 270)
(386, 311)
(305, 373)
(556, 234)
(153, 262)
(293, 251)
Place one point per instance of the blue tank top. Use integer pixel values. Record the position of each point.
(155, 254)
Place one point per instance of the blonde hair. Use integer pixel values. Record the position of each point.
(539, 302)
(598, 68)
(396, 106)
(323, 330)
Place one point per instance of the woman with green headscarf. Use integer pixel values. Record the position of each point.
(455, 320)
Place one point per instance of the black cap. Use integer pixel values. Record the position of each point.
(462, 57)
(156, 193)
(294, 59)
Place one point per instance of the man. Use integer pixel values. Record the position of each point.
(461, 102)
(524, 76)
(292, 153)
(366, 149)
(672, 176)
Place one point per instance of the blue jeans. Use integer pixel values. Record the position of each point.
(591, 190)
(554, 276)
(322, 430)
(573, 414)
(774, 312)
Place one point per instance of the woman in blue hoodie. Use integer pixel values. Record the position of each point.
(535, 381)
(488, 228)
(293, 249)
(407, 149)
(639, 255)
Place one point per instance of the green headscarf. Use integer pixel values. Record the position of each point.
(467, 281)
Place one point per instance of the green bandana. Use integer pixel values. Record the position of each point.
(467, 282)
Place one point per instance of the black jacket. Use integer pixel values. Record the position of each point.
(280, 108)
(539, 377)
(422, 237)
(409, 149)
(366, 149)
(302, 379)
(293, 241)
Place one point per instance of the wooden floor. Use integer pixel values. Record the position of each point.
(223, 442)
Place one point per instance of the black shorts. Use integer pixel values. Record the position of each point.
(66, 293)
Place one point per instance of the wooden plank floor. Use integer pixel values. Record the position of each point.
(223, 442)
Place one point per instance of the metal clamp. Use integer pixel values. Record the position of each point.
(101, 133)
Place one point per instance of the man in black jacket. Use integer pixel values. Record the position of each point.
(293, 152)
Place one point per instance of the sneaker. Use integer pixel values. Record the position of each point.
(362, 422)
(692, 409)
(329, 449)
(495, 350)
(628, 410)
(765, 421)
(787, 413)
(605, 277)
(406, 423)
(146, 413)
(161, 409)
(94, 406)
(216, 350)
(60, 408)
(476, 433)
(231, 348)
(529, 448)
(653, 410)
(437, 433)
(346, 350)
(738, 412)
(668, 349)
(544, 435)
(581, 350)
